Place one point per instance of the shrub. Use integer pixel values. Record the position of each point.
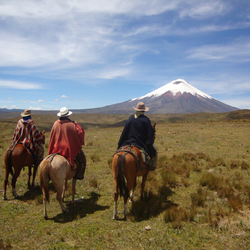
(199, 198)
(90, 143)
(234, 164)
(93, 182)
(169, 178)
(210, 180)
(162, 161)
(95, 158)
(176, 216)
(235, 202)
(110, 161)
(244, 165)
(219, 162)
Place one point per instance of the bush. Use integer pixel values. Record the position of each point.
(244, 165)
(95, 158)
(176, 216)
(199, 198)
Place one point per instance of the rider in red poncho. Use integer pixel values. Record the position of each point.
(67, 138)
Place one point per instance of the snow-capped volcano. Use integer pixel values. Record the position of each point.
(178, 86)
(175, 97)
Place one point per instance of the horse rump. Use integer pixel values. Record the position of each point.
(44, 178)
(121, 183)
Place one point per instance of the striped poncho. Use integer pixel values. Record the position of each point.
(27, 134)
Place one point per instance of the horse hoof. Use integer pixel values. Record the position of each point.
(5, 198)
(46, 217)
(115, 217)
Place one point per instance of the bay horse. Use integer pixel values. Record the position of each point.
(16, 159)
(57, 169)
(127, 164)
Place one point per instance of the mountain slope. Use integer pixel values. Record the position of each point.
(177, 97)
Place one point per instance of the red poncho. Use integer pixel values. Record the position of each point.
(66, 138)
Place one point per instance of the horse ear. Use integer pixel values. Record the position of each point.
(154, 125)
(43, 131)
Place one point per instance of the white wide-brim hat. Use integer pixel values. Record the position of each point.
(141, 107)
(64, 112)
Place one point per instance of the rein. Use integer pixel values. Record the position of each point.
(51, 157)
(129, 150)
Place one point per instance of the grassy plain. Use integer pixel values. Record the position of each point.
(197, 198)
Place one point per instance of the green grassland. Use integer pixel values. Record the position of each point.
(197, 198)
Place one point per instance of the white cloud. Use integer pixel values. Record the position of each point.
(86, 31)
(56, 100)
(35, 108)
(204, 9)
(41, 101)
(64, 96)
(241, 103)
(19, 85)
(112, 74)
(236, 51)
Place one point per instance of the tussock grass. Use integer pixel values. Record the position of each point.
(195, 199)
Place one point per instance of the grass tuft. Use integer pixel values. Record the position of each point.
(199, 198)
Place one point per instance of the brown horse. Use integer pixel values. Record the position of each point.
(17, 159)
(57, 169)
(127, 164)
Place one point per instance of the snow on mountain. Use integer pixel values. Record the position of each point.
(176, 97)
(177, 86)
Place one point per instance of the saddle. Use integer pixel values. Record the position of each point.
(136, 153)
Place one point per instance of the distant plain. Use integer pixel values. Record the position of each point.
(197, 198)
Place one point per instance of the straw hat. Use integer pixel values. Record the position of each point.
(26, 113)
(64, 112)
(141, 107)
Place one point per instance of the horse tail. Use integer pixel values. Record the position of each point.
(8, 163)
(44, 178)
(121, 184)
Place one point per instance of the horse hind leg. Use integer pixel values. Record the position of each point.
(15, 176)
(34, 176)
(45, 215)
(131, 196)
(73, 192)
(6, 178)
(144, 177)
(115, 216)
(30, 173)
(59, 197)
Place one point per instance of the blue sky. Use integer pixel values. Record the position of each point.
(87, 54)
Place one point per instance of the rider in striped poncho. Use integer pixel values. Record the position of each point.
(27, 134)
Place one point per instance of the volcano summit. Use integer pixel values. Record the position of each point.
(178, 97)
